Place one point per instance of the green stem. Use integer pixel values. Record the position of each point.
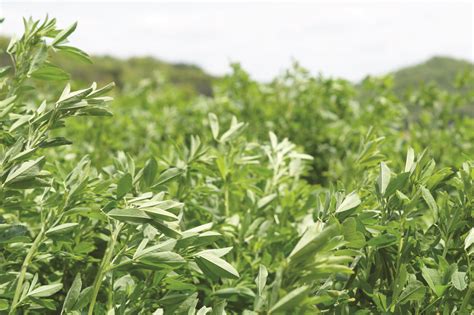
(430, 305)
(24, 269)
(226, 201)
(467, 299)
(445, 249)
(104, 266)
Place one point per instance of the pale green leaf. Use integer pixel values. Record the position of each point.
(350, 202)
(217, 266)
(261, 279)
(46, 290)
(61, 229)
(384, 178)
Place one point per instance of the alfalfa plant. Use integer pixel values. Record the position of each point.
(43, 202)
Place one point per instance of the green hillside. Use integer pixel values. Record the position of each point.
(442, 71)
(103, 69)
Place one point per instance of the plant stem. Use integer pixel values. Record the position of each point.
(226, 201)
(104, 266)
(24, 269)
(466, 299)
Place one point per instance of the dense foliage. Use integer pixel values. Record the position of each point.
(300, 196)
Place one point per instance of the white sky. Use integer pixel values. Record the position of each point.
(346, 39)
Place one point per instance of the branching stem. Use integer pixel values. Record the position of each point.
(104, 266)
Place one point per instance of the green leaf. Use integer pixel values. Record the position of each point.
(410, 161)
(380, 300)
(44, 303)
(383, 240)
(162, 260)
(219, 252)
(350, 202)
(3, 305)
(6, 106)
(39, 58)
(233, 131)
(384, 178)
(46, 290)
(124, 185)
(6, 102)
(61, 229)
(28, 182)
(83, 299)
(429, 199)
(265, 201)
(169, 205)
(102, 91)
(27, 169)
(72, 294)
(75, 52)
(130, 215)
(63, 35)
(20, 122)
(399, 284)
(174, 298)
(54, 142)
(168, 175)
(459, 280)
(167, 228)
(469, 239)
(261, 279)
(49, 72)
(313, 240)
(273, 139)
(219, 307)
(354, 238)
(434, 280)
(428, 218)
(397, 183)
(149, 171)
(158, 214)
(229, 292)
(207, 238)
(290, 300)
(214, 122)
(414, 291)
(216, 266)
(204, 310)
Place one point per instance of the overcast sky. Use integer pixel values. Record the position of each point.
(341, 39)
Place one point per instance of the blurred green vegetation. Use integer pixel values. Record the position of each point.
(439, 70)
(191, 79)
(321, 114)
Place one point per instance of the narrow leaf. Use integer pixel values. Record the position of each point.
(261, 279)
(46, 290)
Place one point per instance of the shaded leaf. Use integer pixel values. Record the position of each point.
(290, 300)
(217, 266)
